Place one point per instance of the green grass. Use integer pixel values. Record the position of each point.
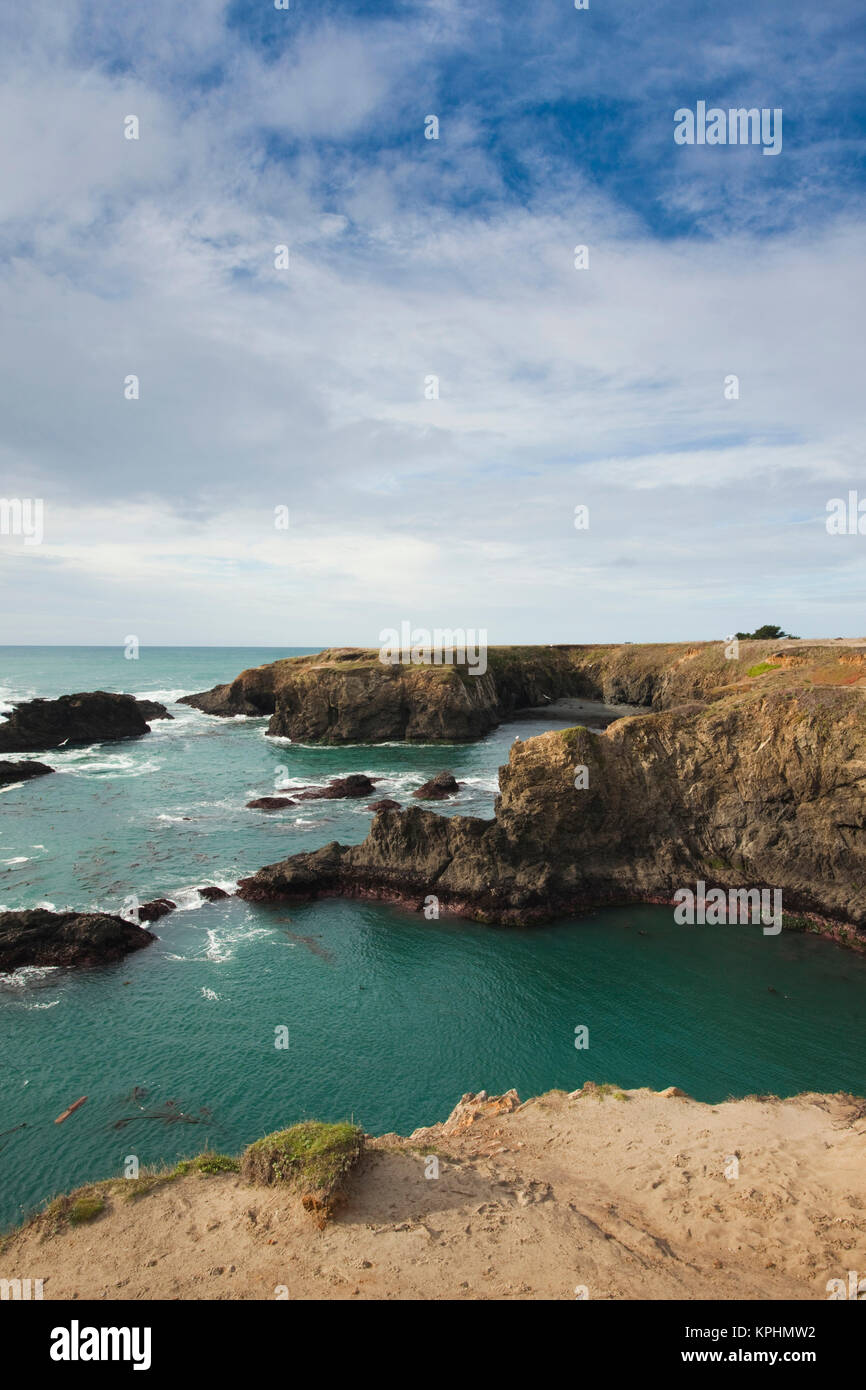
(763, 666)
(75, 1208)
(85, 1209)
(84, 1204)
(313, 1158)
(207, 1163)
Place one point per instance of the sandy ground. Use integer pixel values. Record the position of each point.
(615, 1198)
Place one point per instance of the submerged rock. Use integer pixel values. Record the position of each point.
(386, 804)
(21, 772)
(42, 937)
(90, 717)
(442, 785)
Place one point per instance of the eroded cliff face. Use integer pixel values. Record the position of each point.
(346, 695)
(753, 790)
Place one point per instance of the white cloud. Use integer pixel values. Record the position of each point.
(306, 387)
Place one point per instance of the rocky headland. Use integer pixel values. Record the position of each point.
(760, 782)
(89, 717)
(347, 695)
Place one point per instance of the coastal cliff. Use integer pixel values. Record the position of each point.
(765, 787)
(347, 695)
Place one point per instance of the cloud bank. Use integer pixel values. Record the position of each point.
(431, 386)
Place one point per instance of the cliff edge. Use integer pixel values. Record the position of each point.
(600, 1194)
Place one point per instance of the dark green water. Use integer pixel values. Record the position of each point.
(390, 1017)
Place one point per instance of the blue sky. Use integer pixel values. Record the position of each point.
(410, 258)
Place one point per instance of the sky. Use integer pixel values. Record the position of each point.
(431, 387)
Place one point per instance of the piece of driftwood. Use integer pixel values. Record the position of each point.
(74, 1106)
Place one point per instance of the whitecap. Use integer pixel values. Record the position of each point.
(221, 945)
(210, 993)
(336, 747)
(190, 900)
(10, 697)
(19, 859)
(164, 697)
(121, 765)
(28, 976)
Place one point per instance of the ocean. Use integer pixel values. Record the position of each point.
(390, 1017)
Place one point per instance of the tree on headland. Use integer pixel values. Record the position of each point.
(768, 633)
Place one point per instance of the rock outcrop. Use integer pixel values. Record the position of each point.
(349, 696)
(443, 785)
(340, 788)
(152, 709)
(270, 803)
(11, 772)
(40, 937)
(156, 908)
(90, 717)
(752, 790)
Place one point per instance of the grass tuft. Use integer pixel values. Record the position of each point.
(313, 1158)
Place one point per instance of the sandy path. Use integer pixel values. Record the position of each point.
(625, 1197)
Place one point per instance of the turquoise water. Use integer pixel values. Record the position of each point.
(390, 1017)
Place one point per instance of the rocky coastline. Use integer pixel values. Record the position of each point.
(763, 787)
(347, 695)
